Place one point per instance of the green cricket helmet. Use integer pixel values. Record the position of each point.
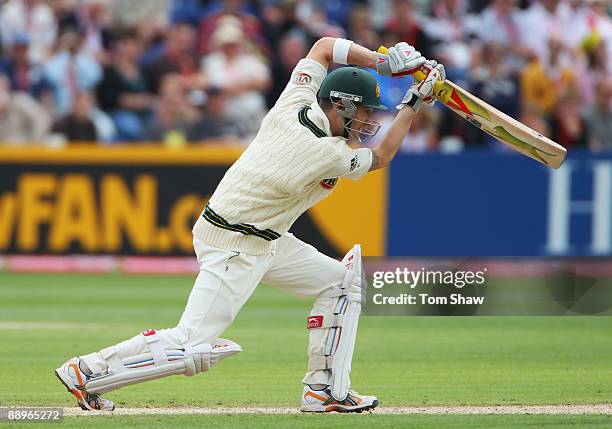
(346, 87)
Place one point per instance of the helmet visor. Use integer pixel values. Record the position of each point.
(362, 131)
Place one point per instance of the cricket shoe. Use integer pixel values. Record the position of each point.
(74, 379)
(321, 401)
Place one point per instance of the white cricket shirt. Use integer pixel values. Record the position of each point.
(291, 165)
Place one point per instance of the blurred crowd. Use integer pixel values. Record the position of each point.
(190, 71)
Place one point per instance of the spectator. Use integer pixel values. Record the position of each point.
(33, 18)
(127, 13)
(600, 26)
(174, 115)
(292, 49)
(599, 118)
(542, 83)
(478, 6)
(24, 75)
(71, 71)
(500, 24)
(449, 22)
(449, 30)
(574, 14)
(123, 92)
(339, 11)
(594, 68)
(187, 10)
(22, 119)
(241, 75)
(250, 24)
(314, 20)
(95, 17)
(212, 124)
(177, 56)
(423, 135)
(532, 117)
(543, 43)
(542, 21)
(403, 23)
(567, 126)
(153, 40)
(493, 82)
(279, 19)
(360, 28)
(78, 126)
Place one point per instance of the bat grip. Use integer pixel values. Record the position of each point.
(417, 75)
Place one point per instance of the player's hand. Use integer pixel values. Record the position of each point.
(402, 59)
(423, 91)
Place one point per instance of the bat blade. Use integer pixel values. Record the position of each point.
(502, 127)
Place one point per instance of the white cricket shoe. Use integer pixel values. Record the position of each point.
(74, 379)
(321, 401)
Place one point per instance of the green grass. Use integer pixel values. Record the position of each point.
(402, 360)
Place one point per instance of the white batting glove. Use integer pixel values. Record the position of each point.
(402, 59)
(423, 92)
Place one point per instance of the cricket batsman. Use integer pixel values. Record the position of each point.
(306, 142)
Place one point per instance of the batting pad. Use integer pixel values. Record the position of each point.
(159, 363)
(333, 326)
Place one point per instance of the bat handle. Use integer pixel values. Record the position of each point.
(417, 75)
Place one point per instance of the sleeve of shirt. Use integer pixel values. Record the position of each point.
(352, 163)
(303, 85)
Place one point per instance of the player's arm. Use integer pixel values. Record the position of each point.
(386, 150)
(328, 50)
(419, 93)
(310, 72)
(402, 59)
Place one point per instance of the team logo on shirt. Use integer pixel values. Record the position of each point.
(377, 91)
(329, 183)
(354, 163)
(301, 79)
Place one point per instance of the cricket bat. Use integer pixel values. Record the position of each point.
(496, 123)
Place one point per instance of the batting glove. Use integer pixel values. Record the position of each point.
(423, 91)
(402, 59)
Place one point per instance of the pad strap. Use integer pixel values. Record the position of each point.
(115, 364)
(152, 339)
(190, 366)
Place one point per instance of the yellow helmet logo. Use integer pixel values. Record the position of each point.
(377, 91)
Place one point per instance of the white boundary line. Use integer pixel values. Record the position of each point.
(605, 409)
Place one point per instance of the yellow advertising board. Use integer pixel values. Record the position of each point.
(145, 199)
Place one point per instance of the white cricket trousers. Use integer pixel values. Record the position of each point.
(226, 281)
